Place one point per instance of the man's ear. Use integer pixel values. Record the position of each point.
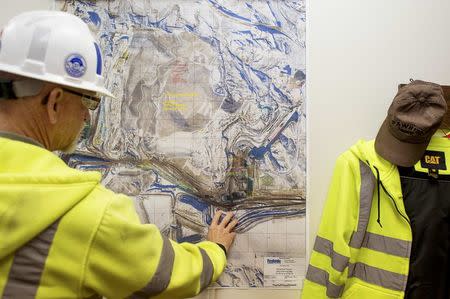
(53, 104)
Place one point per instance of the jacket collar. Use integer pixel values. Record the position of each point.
(21, 138)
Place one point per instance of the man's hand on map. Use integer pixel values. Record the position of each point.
(221, 231)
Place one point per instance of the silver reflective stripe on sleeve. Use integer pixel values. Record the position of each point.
(365, 204)
(380, 277)
(28, 265)
(322, 277)
(324, 246)
(207, 272)
(161, 278)
(386, 244)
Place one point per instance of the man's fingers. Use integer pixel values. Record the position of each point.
(226, 219)
(231, 225)
(216, 217)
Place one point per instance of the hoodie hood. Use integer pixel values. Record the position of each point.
(385, 175)
(36, 189)
(365, 151)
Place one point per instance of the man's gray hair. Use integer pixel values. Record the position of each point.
(27, 87)
(19, 88)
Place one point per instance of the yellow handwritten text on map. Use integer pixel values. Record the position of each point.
(175, 100)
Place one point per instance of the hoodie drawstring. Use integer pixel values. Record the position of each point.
(378, 196)
(379, 183)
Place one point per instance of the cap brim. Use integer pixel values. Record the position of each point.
(395, 151)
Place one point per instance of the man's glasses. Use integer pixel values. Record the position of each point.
(90, 102)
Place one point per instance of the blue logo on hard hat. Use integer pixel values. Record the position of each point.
(75, 65)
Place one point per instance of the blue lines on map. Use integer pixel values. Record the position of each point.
(259, 152)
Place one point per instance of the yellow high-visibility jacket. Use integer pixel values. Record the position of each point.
(63, 235)
(363, 245)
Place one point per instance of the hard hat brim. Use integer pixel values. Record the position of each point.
(65, 81)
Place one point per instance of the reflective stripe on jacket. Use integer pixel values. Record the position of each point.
(363, 244)
(63, 235)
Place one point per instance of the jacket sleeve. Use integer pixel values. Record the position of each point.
(128, 259)
(328, 268)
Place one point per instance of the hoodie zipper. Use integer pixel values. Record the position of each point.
(395, 205)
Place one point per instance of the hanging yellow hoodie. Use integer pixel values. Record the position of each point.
(64, 235)
(363, 244)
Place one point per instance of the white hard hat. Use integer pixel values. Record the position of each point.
(52, 46)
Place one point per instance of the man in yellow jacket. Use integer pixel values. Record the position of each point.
(62, 234)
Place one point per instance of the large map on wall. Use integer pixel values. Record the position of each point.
(210, 114)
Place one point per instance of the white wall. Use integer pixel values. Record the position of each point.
(10, 8)
(358, 51)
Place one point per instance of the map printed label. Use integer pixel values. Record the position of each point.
(282, 272)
